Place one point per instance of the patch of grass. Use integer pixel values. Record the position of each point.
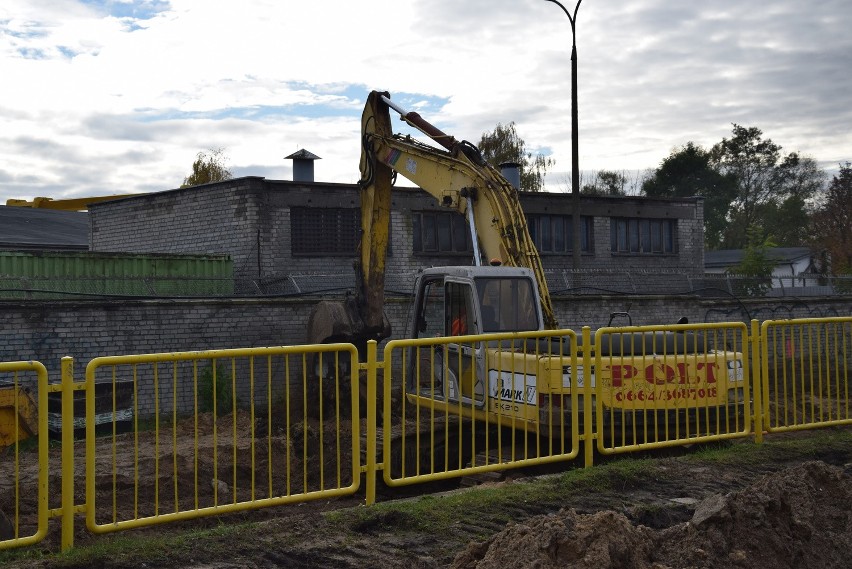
(814, 443)
(437, 514)
(630, 470)
(726, 453)
(29, 444)
(157, 550)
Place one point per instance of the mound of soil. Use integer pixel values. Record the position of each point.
(799, 517)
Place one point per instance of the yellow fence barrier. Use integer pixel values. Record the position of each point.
(806, 377)
(175, 436)
(207, 445)
(658, 386)
(475, 404)
(23, 471)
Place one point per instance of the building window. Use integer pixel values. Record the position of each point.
(326, 232)
(636, 236)
(441, 232)
(554, 233)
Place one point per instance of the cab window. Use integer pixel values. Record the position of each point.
(507, 304)
(459, 309)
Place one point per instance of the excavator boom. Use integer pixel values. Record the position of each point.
(458, 178)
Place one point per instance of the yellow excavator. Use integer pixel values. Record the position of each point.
(18, 415)
(503, 291)
(71, 204)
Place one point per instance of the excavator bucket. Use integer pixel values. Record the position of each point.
(18, 415)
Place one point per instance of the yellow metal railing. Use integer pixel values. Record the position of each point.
(23, 466)
(658, 386)
(211, 446)
(805, 370)
(181, 435)
(470, 405)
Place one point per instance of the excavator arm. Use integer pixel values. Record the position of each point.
(459, 179)
(73, 204)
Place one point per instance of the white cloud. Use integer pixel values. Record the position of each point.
(105, 97)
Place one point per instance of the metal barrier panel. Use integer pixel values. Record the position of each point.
(23, 454)
(659, 386)
(183, 435)
(805, 369)
(469, 405)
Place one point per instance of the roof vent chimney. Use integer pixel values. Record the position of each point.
(303, 165)
(512, 172)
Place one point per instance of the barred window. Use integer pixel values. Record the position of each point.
(329, 232)
(554, 233)
(440, 232)
(637, 236)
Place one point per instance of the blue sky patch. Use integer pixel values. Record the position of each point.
(67, 51)
(27, 30)
(31, 53)
(134, 10)
(344, 100)
(253, 113)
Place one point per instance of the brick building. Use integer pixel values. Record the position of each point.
(299, 236)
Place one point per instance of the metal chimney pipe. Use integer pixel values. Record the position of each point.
(303, 165)
(512, 172)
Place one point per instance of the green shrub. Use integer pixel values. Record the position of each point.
(221, 378)
(756, 265)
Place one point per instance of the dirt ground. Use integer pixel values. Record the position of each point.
(798, 517)
(793, 509)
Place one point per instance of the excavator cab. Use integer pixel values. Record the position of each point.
(454, 301)
(460, 301)
(447, 307)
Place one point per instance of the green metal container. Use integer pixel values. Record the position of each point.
(61, 274)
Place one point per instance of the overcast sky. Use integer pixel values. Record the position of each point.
(104, 97)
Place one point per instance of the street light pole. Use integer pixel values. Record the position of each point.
(575, 152)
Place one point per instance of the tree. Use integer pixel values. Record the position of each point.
(504, 145)
(832, 222)
(797, 180)
(765, 181)
(208, 167)
(688, 171)
(789, 220)
(756, 264)
(606, 183)
(751, 160)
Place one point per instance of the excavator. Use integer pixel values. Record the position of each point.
(17, 415)
(527, 382)
(72, 204)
